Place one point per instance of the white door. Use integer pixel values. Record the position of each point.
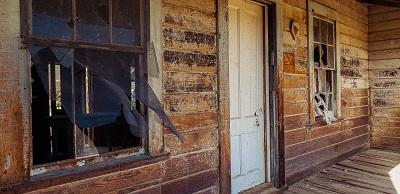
(246, 83)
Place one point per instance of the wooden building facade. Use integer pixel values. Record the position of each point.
(260, 92)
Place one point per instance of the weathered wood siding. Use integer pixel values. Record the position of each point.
(310, 148)
(189, 94)
(13, 106)
(384, 65)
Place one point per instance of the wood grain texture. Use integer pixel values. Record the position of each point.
(186, 46)
(384, 54)
(223, 88)
(366, 172)
(309, 145)
(14, 98)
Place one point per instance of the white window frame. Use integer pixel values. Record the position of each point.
(325, 13)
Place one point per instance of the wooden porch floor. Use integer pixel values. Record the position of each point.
(366, 172)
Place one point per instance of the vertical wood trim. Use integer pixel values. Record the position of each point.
(311, 80)
(279, 100)
(267, 96)
(338, 74)
(25, 76)
(156, 143)
(223, 97)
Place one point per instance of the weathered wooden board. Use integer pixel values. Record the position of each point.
(183, 165)
(296, 95)
(348, 14)
(353, 112)
(191, 184)
(384, 16)
(384, 64)
(179, 103)
(206, 6)
(325, 130)
(348, 30)
(354, 102)
(381, 9)
(188, 41)
(296, 121)
(328, 139)
(384, 35)
(295, 81)
(384, 72)
(295, 108)
(308, 160)
(189, 62)
(367, 172)
(194, 141)
(135, 179)
(385, 112)
(184, 122)
(177, 82)
(352, 41)
(189, 19)
(297, 3)
(295, 136)
(385, 25)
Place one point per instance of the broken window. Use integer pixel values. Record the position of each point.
(90, 93)
(324, 69)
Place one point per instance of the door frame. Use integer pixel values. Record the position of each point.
(273, 56)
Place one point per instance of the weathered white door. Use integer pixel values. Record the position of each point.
(246, 77)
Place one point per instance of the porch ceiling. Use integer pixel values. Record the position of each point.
(395, 3)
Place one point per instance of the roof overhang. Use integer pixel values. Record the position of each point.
(393, 3)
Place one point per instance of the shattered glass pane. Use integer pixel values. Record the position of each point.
(330, 34)
(317, 55)
(321, 81)
(329, 81)
(99, 94)
(94, 67)
(317, 36)
(52, 127)
(52, 19)
(126, 22)
(316, 85)
(324, 55)
(152, 60)
(329, 102)
(331, 57)
(324, 32)
(93, 21)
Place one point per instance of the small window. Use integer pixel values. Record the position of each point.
(88, 68)
(324, 65)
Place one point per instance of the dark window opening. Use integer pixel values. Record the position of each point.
(52, 130)
(324, 68)
(85, 98)
(90, 90)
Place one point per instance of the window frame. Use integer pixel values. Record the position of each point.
(324, 13)
(149, 30)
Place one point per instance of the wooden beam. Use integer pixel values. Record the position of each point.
(223, 88)
(393, 3)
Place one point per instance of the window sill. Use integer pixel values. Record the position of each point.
(320, 123)
(73, 174)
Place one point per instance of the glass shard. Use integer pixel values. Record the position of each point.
(93, 21)
(52, 19)
(126, 22)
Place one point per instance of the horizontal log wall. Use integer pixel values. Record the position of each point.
(384, 65)
(189, 90)
(310, 148)
(190, 95)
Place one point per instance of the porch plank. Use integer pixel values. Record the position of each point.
(366, 172)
